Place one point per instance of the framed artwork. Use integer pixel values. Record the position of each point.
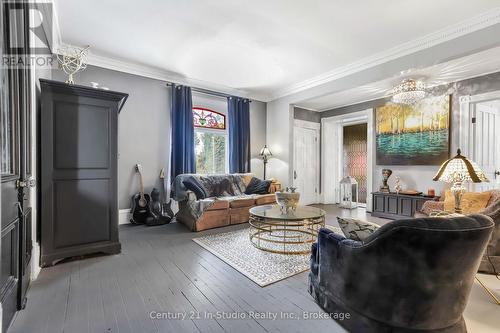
(414, 134)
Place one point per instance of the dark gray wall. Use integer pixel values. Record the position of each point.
(420, 177)
(144, 126)
(307, 115)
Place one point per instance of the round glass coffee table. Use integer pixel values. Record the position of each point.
(286, 233)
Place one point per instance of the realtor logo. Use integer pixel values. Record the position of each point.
(28, 33)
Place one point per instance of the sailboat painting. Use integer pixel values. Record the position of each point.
(413, 134)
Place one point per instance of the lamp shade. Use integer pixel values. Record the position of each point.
(460, 169)
(265, 152)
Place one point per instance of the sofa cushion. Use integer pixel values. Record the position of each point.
(192, 184)
(472, 202)
(356, 229)
(257, 186)
(219, 204)
(243, 202)
(265, 199)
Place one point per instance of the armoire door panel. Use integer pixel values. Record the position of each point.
(81, 211)
(81, 136)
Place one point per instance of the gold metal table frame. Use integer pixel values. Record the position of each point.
(286, 233)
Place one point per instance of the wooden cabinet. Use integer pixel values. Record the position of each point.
(397, 206)
(78, 170)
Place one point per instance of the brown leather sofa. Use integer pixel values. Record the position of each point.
(220, 211)
(223, 212)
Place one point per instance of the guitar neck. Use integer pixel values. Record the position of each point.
(141, 184)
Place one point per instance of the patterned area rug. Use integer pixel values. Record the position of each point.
(261, 267)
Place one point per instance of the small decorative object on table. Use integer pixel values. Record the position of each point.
(348, 193)
(288, 199)
(275, 186)
(410, 192)
(72, 60)
(431, 192)
(386, 173)
(398, 186)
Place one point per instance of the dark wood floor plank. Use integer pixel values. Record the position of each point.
(159, 270)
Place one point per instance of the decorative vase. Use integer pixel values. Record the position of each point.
(287, 200)
(386, 173)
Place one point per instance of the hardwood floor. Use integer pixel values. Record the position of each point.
(161, 271)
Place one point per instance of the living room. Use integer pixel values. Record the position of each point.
(270, 166)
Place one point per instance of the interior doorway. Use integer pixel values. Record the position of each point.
(332, 154)
(485, 133)
(354, 155)
(478, 132)
(306, 161)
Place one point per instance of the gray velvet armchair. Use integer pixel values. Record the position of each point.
(408, 276)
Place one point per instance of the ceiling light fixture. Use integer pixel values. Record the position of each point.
(409, 91)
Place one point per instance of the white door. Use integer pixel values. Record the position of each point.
(487, 142)
(306, 163)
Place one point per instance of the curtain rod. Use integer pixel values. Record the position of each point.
(209, 92)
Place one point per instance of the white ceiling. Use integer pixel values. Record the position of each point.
(477, 64)
(259, 47)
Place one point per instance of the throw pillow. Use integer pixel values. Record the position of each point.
(222, 188)
(472, 202)
(257, 186)
(194, 185)
(356, 229)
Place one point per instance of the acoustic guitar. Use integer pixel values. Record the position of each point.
(140, 202)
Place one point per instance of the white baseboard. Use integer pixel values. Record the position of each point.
(35, 266)
(123, 216)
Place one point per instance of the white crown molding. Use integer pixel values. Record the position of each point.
(463, 28)
(162, 75)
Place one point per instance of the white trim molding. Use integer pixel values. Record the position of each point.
(124, 216)
(460, 29)
(331, 154)
(466, 113)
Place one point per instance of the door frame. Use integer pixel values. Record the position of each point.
(297, 123)
(332, 158)
(466, 129)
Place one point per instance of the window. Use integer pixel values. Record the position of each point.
(210, 138)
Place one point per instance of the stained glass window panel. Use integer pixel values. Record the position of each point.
(206, 118)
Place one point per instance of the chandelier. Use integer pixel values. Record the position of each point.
(408, 92)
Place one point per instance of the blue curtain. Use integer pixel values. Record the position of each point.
(239, 134)
(182, 159)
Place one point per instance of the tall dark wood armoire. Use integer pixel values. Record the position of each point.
(78, 170)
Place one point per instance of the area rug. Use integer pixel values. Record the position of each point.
(263, 268)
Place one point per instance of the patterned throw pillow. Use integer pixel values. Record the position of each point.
(472, 202)
(257, 186)
(194, 185)
(356, 229)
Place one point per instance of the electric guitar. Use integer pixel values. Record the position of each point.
(167, 210)
(140, 202)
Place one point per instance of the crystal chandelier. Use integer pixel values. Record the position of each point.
(408, 92)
